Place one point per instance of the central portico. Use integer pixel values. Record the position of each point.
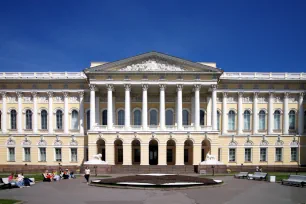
(143, 118)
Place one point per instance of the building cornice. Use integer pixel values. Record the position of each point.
(263, 76)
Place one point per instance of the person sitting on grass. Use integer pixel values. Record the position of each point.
(11, 180)
(66, 174)
(56, 177)
(19, 180)
(47, 177)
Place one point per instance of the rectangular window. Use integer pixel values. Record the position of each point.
(74, 154)
(42, 154)
(263, 154)
(247, 154)
(11, 154)
(186, 156)
(27, 154)
(232, 155)
(58, 154)
(219, 154)
(294, 153)
(278, 154)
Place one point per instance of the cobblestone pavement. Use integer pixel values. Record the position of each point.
(233, 191)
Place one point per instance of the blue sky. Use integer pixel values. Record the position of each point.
(245, 35)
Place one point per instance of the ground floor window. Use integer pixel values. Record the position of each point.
(247, 154)
(58, 154)
(169, 155)
(74, 154)
(232, 154)
(42, 154)
(263, 154)
(278, 154)
(294, 154)
(11, 154)
(27, 154)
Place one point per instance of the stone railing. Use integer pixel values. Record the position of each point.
(151, 128)
(42, 75)
(263, 75)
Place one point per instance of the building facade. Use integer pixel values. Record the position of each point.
(153, 109)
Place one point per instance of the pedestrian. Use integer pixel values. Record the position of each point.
(87, 174)
(257, 169)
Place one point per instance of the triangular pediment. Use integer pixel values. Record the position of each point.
(152, 62)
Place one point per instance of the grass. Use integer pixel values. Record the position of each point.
(5, 201)
(37, 177)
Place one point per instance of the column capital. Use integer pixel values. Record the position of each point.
(240, 94)
(224, 94)
(66, 94)
(34, 94)
(271, 94)
(256, 94)
(81, 94)
(214, 87)
(145, 87)
(19, 94)
(179, 87)
(162, 87)
(196, 87)
(127, 87)
(50, 94)
(286, 94)
(92, 87)
(302, 94)
(110, 87)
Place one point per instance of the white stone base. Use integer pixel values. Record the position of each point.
(95, 162)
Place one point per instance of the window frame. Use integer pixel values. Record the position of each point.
(231, 115)
(249, 120)
(59, 119)
(11, 119)
(8, 154)
(262, 113)
(42, 120)
(266, 154)
(282, 154)
(296, 154)
(25, 159)
(294, 121)
(250, 156)
(229, 154)
(39, 154)
(73, 123)
(136, 110)
(71, 155)
(55, 154)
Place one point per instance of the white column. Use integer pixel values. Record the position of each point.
(81, 95)
(240, 114)
(97, 110)
(50, 112)
(127, 106)
(179, 106)
(35, 128)
(255, 114)
(192, 111)
(208, 110)
(19, 116)
(92, 106)
(197, 106)
(224, 113)
(110, 89)
(162, 111)
(270, 114)
(301, 114)
(286, 115)
(66, 110)
(4, 113)
(145, 106)
(214, 107)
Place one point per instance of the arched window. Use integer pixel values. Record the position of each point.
(28, 119)
(137, 117)
(292, 120)
(218, 120)
(185, 117)
(202, 117)
(44, 119)
(104, 117)
(75, 120)
(231, 120)
(59, 120)
(247, 120)
(13, 120)
(153, 117)
(277, 115)
(120, 117)
(262, 120)
(304, 121)
(88, 119)
(169, 117)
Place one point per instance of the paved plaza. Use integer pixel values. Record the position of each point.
(233, 191)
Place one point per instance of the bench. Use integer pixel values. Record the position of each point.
(4, 185)
(295, 180)
(241, 175)
(6, 182)
(258, 176)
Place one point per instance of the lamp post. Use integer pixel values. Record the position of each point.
(59, 168)
(213, 170)
(241, 166)
(95, 167)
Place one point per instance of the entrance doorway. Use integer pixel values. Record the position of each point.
(188, 152)
(153, 152)
(171, 152)
(135, 152)
(118, 152)
(101, 148)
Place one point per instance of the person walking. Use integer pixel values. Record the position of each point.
(87, 174)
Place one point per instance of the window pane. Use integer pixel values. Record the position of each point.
(153, 117)
(11, 152)
(247, 154)
(121, 117)
(277, 120)
(202, 117)
(13, 119)
(185, 117)
(292, 120)
(74, 154)
(58, 154)
(43, 155)
(137, 117)
(27, 154)
(59, 119)
(232, 155)
(294, 155)
(169, 117)
(88, 119)
(278, 154)
(28, 119)
(231, 120)
(247, 120)
(44, 120)
(263, 154)
(218, 120)
(262, 120)
(104, 117)
(75, 120)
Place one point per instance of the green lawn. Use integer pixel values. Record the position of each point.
(5, 201)
(37, 177)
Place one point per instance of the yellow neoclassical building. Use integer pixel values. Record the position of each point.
(152, 109)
